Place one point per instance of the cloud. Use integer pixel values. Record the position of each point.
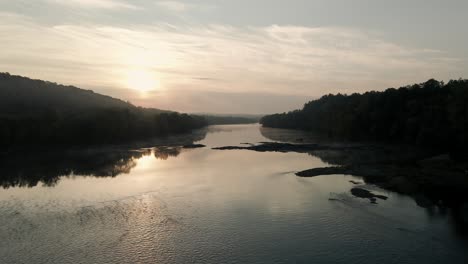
(98, 4)
(174, 6)
(277, 60)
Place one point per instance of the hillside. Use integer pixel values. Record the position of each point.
(40, 112)
(431, 114)
(21, 95)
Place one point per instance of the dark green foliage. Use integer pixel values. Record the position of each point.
(38, 112)
(430, 114)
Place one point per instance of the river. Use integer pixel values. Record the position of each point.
(176, 205)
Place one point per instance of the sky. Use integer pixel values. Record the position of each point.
(236, 56)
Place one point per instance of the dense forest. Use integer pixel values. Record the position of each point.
(431, 114)
(40, 112)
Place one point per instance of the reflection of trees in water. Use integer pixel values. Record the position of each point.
(164, 152)
(347, 153)
(371, 154)
(28, 168)
(291, 136)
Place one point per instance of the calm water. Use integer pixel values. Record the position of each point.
(172, 205)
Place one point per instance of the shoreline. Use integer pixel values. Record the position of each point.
(429, 178)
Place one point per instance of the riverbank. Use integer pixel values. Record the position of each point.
(429, 177)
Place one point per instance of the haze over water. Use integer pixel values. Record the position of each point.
(211, 206)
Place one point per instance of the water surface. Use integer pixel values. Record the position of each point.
(174, 205)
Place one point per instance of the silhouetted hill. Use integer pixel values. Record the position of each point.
(21, 95)
(40, 112)
(431, 114)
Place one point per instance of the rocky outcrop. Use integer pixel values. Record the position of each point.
(363, 193)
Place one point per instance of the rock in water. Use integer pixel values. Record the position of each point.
(191, 146)
(363, 193)
(355, 182)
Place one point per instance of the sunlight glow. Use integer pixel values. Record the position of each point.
(142, 80)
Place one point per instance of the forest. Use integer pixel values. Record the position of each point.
(40, 112)
(432, 114)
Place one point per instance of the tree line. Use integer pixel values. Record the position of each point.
(40, 112)
(97, 126)
(432, 114)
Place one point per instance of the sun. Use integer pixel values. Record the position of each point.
(142, 80)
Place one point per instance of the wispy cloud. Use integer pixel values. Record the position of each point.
(281, 60)
(174, 6)
(99, 4)
(182, 8)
